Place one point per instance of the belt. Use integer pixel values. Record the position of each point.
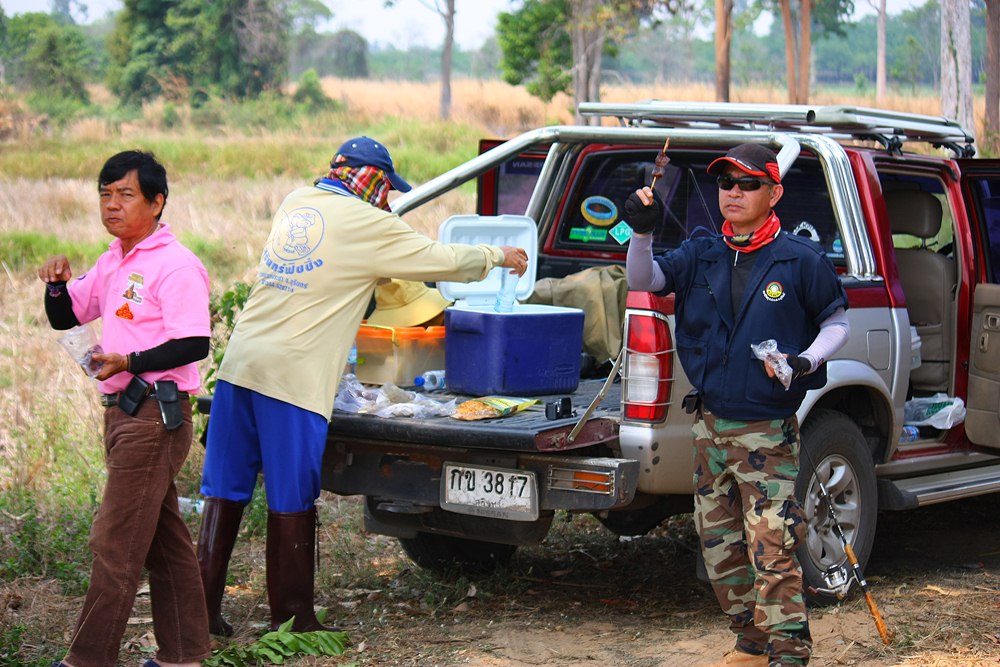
(111, 400)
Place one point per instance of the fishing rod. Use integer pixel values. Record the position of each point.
(841, 592)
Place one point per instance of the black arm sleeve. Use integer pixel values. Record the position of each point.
(171, 354)
(59, 306)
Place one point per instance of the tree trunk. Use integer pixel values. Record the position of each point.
(956, 63)
(805, 52)
(790, 69)
(448, 14)
(992, 129)
(588, 44)
(723, 44)
(880, 92)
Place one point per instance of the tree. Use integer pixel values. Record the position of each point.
(3, 47)
(880, 83)
(446, 10)
(181, 48)
(63, 10)
(992, 128)
(42, 56)
(350, 52)
(956, 62)
(537, 38)
(536, 47)
(53, 65)
(723, 47)
(830, 15)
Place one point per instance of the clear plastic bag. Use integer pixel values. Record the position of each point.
(81, 343)
(387, 401)
(767, 351)
(940, 411)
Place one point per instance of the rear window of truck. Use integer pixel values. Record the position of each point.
(690, 195)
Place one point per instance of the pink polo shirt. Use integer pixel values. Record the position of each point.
(157, 292)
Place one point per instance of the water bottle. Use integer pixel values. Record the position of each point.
(429, 380)
(352, 360)
(909, 434)
(508, 288)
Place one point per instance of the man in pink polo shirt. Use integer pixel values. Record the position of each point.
(151, 295)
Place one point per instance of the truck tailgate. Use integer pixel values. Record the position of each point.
(526, 431)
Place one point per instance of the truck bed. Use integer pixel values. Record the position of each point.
(526, 431)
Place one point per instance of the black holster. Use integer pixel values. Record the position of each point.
(170, 407)
(133, 396)
(692, 402)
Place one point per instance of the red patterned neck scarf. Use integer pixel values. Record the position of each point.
(369, 183)
(756, 239)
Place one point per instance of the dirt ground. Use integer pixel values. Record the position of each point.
(935, 574)
(587, 598)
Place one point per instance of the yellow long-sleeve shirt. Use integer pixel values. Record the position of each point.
(316, 276)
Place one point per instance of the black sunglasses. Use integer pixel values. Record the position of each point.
(746, 184)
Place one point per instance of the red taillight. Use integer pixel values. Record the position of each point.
(647, 376)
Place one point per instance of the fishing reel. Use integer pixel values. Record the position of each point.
(838, 583)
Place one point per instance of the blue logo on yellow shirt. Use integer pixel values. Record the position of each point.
(293, 239)
(297, 234)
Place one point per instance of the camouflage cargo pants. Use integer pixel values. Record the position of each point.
(750, 524)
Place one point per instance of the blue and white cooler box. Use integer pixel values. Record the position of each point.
(534, 349)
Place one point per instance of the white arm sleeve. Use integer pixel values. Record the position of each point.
(643, 274)
(833, 333)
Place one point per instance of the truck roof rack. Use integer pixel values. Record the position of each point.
(890, 128)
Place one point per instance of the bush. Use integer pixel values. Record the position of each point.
(59, 109)
(310, 95)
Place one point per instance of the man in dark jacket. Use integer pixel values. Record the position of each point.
(753, 283)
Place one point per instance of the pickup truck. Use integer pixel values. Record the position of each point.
(914, 236)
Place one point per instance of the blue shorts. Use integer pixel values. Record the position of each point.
(249, 432)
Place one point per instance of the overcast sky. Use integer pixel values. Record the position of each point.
(408, 23)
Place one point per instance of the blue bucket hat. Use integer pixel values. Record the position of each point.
(364, 152)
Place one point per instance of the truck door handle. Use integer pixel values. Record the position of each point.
(991, 322)
(984, 342)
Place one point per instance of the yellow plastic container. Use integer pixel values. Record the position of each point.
(398, 354)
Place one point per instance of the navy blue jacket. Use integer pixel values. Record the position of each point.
(792, 289)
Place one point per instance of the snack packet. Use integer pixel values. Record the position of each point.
(489, 407)
(767, 351)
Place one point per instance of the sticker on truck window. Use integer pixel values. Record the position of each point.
(588, 234)
(598, 210)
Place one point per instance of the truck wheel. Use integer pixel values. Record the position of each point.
(444, 553)
(641, 520)
(834, 451)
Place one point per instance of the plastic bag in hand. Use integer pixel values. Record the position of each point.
(767, 351)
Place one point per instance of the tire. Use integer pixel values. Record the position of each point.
(636, 522)
(444, 553)
(833, 445)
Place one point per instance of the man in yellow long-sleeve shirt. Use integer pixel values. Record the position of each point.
(329, 245)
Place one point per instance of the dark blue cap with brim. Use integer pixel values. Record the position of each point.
(365, 151)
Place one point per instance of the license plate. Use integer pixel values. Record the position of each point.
(500, 493)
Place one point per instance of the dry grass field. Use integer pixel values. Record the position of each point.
(579, 594)
(503, 109)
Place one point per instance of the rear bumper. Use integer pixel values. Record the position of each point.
(410, 477)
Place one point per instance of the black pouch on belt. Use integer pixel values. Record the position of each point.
(133, 396)
(170, 407)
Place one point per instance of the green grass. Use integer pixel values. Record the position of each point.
(302, 149)
(25, 251)
(50, 539)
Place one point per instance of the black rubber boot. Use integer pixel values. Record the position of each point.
(220, 524)
(291, 546)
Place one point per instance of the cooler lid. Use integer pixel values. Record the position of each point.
(515, 230)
